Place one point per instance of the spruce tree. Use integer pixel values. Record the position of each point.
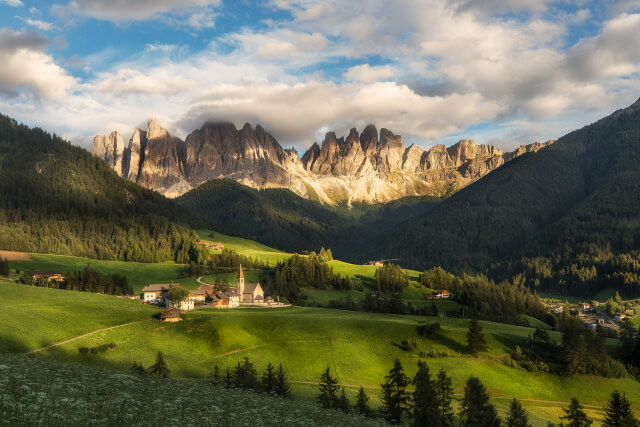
(394, 394)
(627, 335)
(444, 393)
(617, 410)
(228, 381)
(576, 417)
(425, 398)
(362, 407)
(268, 379)
(160, 368)
(518, 417)
(476, 409)
(328, 396)
(475, 338)
(343, 402)
(282, 386)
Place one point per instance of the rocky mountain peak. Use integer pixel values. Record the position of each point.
(365, 166)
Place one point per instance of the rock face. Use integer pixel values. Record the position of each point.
(363, 167)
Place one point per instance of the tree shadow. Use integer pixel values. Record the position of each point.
(11, 344)
(448, 342)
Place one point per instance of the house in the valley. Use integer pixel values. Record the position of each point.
(584, 306)
(216, 246)
(595, 303)
(629, 310)
(376, 263)
(185, 305)
(231, 299)
(48, 275)
(170, 315)
(154, 294)
(620, 316)
(441, 294)
(197, 295)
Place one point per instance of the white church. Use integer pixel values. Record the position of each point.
(248, 292)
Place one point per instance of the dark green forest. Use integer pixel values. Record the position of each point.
(57, 198)
(284, 220)
(566, 218)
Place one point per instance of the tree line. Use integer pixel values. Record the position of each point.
(86, 280)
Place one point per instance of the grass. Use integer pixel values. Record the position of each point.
(139, 274)
(360, 347)
(245, 247)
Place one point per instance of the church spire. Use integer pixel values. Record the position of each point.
(240, 273)
(240, 283)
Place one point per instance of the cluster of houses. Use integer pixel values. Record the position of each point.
(590, 315)
(48, 275)
(439, 294)
(243, 293)
(216, 246)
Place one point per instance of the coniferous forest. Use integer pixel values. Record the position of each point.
(57, 198)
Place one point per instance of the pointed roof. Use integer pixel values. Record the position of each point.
(240, 273)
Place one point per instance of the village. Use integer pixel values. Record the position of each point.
(593, 313)
(206, 296)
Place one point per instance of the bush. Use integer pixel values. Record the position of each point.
(83, 350)
(427, 329)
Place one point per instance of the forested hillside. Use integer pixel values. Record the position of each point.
(57, 198)
(566, 217)
(282, 219)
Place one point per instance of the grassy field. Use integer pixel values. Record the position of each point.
(244, 246)
(360, 346)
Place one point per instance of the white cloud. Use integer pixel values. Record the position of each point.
(197, 14)
(367, 73)
(14, 3)
(41, 25)
(27, 69)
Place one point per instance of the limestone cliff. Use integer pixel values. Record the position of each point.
(367, 166)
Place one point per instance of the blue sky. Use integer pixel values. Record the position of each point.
(506, 72)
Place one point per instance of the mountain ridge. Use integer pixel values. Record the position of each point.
(366, 167)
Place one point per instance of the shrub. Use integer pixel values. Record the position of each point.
(427, 329)
(83, 350)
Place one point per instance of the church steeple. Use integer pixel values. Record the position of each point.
(240, 282)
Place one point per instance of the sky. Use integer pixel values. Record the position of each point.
(503, 72)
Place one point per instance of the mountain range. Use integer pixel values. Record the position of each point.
(363, 167)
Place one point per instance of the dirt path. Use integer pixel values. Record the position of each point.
(85, 335)
(15, 256)
(239, 350)
(456, 394)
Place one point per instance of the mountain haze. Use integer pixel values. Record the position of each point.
(365, 167)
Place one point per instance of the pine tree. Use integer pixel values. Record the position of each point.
(627, 335)
(518, 417)
(476, 409)
(228, 381)
(137, 368)
(343, 403)
(576, 417)
(268, 379)
(394, 394)
(475, 338)
(617, 410)
(215, 374)
(425, 398)
(282, 386)
(444, 393)
(328, 396)
(362, 407)
(160, 368)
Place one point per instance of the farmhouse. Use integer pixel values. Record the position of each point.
(376, 263)
(170, 315)
(620, 316)
(153, 294)
(48, 275)
(442, 294)
(584, 306)
(197, 295)
(216, 246)
(595, 303)
(229, 299)
(629, 310)
(185, 305)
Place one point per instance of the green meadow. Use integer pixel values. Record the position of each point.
(360, 347)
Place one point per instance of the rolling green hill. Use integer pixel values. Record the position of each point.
(284, 220)
(57, 198)
(579, 195)
(360, 347)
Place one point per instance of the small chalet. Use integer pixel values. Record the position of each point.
(269, 300)
(232, 299)
(629, 310)
(376, 263)
(154, 294)
(620, 316)
(441, 294)
(216, 246)
(197, 295)
(595, 303)
(170, 315)
(48, 275)
(185, 305)
(584, 306)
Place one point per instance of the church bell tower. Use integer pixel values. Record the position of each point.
(240, 283)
